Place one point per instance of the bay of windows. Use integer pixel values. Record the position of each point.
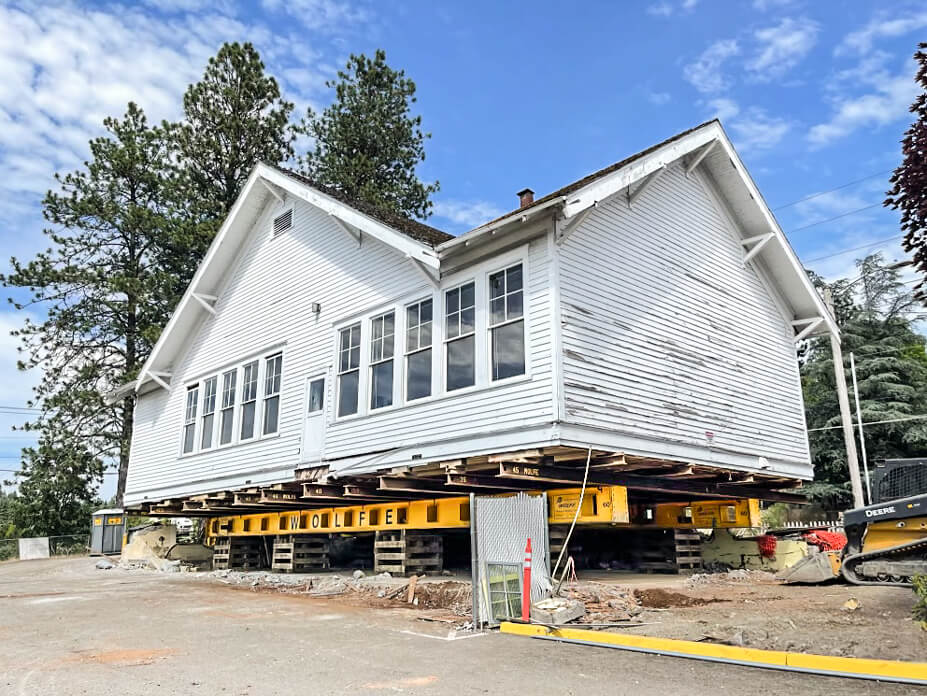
(480, 337)
(228, 405)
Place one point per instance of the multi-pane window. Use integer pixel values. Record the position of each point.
(209, 412)
(418, 350)
(273, 370)
(382, 346)
(189, 420)
(227, 414)
(348, 370)
(506, 322)
(249, 387)
(460, 324)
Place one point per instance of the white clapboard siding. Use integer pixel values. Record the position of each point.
(667, 336)
(267, 302)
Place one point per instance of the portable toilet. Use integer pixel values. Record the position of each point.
(106, 532)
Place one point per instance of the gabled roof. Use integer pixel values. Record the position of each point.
(413, 239)
(412, 228)
(706, 146)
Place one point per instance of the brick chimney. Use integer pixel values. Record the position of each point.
(525, 197)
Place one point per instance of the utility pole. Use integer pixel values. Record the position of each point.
(844, 400)
(859, 423)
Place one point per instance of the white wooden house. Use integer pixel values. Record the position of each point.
(647, 313)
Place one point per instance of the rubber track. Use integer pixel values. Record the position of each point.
(851, 561)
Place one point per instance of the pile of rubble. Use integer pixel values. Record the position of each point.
(603, 603)
(740, 575)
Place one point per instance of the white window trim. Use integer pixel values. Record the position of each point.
(523, 318)
(479, 274)
(361, 369)
(238, 366)
(264, 396)
(235, 406)
(448, 340)
(404, 387)
(371, 364)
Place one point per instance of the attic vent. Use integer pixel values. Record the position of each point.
(283, 222)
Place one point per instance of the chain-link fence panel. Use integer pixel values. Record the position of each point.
(502, 527)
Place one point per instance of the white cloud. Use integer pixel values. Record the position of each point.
(659, 98)
(667, 9)
(883, 26)
(886, 101)
(723, 108)
(470, 213)
(763, 5)
(705, 73)
(755, 129)
(319, 14)
(782, 47)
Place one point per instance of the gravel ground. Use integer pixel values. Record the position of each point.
(67, 628)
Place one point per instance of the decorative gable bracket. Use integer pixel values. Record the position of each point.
(353, 232)
(431, 275)
(810, 325)
(758, 242)
(206, 301)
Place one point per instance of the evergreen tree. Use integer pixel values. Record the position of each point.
(367, 143)
(891, 367)
(234, 117)
(106, 298)
(909, 182)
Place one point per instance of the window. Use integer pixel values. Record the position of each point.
(506, 323)
(209, 412)
(316, 395)
(249, 384)
(189, 421)
(459, 331)
(382, 346)
(348, 370)
(418, 350)
(273, 369)
(504, 584)
(227, 416)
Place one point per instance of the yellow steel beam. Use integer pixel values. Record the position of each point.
(601, 505)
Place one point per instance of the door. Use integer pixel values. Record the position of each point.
(314, 426)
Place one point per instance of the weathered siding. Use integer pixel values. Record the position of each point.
(667, 337)
(266, 303)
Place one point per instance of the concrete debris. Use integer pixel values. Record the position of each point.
(603, 602)
(358, 574)
(740, 575)
(383, 576)
(852, 604)
(104, 564)
(557, 610)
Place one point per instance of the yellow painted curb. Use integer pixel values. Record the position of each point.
(886, 670)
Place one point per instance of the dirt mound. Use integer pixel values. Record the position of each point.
(455, 596)
(655, 598)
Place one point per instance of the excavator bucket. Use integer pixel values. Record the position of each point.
(812, 569)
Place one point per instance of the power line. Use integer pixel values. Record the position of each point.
(836, 217)
(864, 246)
(889, 420)
(836, 188)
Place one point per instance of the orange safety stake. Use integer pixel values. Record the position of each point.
(526, 585)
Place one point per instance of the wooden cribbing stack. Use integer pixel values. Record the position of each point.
(404, 552)
(237, 552)
(300, 553)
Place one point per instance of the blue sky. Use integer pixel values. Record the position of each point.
(814, 95)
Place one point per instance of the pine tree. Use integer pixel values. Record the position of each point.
(106, 297)
(367, 143)
(891, 366)
(909, 182)
(234, 117)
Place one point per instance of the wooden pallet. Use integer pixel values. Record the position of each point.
(295, 553)
(406, 553)
(688, 551)
(220, 556)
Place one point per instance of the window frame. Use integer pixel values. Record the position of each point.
(407, 354)
(523, 318)
(360, 369)
(447, 340)
(371, 363)
(204, 386)
(265, 397)
(190, 420)
(238, 403)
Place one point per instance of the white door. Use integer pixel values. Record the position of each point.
(314, 427)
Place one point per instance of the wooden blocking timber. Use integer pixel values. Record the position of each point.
(556, 536)
(688, 550)
(300, 553)
(237, 552)
(404, 552)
